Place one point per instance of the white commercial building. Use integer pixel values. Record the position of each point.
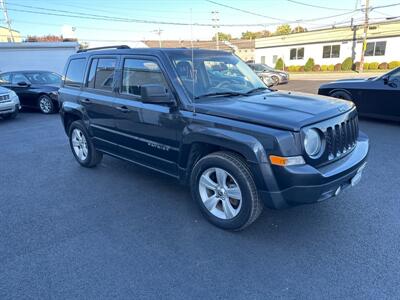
(50, 56)
(332, 46)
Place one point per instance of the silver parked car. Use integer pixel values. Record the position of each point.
(265, 71)
(9, 104)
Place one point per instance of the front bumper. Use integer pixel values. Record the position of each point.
(305, 184)
(9, 107)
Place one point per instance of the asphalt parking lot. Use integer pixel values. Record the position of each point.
(121, 231)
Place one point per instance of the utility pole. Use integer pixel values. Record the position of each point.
(6, 18)
(364, 45)
(158, 32)
(215, 20)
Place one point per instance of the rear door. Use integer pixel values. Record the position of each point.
(147, 131)
(97, 98)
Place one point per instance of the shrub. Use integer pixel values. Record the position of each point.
(331, 68)
(347, 64)
(394, 64)
(301, 69)
(317, 68)
(309, 65)
(279, 64)
(373, 66)
(324, 68)
(366, 66)
(383, 66)
(337, 67)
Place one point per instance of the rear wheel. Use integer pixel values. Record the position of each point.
(46, 105)
(341, 95)
(223, 187)
(82, 146)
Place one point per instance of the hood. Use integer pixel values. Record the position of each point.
(4, 90)
(278, 109)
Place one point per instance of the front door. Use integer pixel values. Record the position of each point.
(97, 98)
(147, 131)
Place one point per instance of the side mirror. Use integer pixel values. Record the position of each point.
(386, 80)
(22, 83)
(155, 93)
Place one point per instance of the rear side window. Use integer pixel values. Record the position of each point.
(137, 72)
(75, 72)
(104, 75)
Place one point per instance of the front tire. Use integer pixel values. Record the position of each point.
(46, 105)
(82, 146)
(275, 79)
(223, 187)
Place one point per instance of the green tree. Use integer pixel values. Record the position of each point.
(223, 36)
(298, 29)
(279, 64)
(309, 65)
(283, 29)
(250, 35)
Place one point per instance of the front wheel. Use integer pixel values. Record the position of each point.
(82, 146)
(223, 187)
(275, 79)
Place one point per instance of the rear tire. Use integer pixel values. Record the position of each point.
(46, 105)
(341, 95)
(223, 186)
(82, 146)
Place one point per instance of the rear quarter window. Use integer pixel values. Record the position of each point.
(75, 72)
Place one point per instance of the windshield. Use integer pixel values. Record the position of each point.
(392, 74)
(214, 74)
(43, 78)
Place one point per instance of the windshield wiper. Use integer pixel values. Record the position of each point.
(219, 94)
(256, 90)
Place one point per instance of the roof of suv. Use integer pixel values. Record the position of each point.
(148, 51)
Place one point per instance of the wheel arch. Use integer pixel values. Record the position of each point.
(343, 90)
(202, 142)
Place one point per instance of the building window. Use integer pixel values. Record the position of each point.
(296, 53)
(375, 49)
(331, 51)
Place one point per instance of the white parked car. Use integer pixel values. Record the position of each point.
(9, 104)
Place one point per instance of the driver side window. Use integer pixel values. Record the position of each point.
(17, 78)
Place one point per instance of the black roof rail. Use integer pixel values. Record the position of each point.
(106, 47)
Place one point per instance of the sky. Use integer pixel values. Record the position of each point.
(42, 17)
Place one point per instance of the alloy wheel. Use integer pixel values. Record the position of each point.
(79, 144)
(45, 105)
(220, 193)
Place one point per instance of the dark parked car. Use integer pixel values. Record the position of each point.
(237, 144)
(377, 97)
(35, 89)
(265, 71)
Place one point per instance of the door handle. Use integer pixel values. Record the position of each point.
(123, 108)
(86, 101)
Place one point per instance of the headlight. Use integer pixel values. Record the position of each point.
(312, 143)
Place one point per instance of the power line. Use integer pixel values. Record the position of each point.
(246, 11)
(318, 6)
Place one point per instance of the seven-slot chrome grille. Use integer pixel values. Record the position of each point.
(341, 137)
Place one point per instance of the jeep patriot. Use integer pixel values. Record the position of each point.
(205, 118)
